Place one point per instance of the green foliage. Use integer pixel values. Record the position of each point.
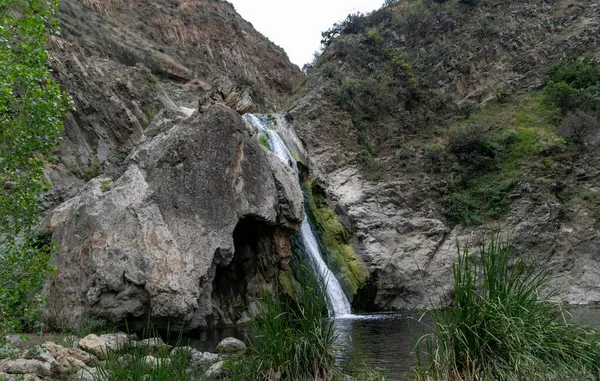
(501, 326)
(471, 202)
(575, 85)
(353, 24)
(31, 111)
(106, 186)
(264, 141)
(487, 155)
(291, 341)
(129, 363)
(92, 171)
(475, 148)
(23, 269)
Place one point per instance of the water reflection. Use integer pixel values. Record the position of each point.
(383, 341)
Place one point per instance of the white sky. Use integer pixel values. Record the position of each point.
(296, 25)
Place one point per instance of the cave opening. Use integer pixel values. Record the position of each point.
(252, 267)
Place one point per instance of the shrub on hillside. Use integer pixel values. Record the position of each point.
(575, 86)
(474, 148)
(580, 125)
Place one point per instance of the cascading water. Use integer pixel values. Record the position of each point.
(337, 303)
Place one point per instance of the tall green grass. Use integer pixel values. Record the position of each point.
(502, 326)
(291, 338)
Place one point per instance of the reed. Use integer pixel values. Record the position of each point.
(503, 326)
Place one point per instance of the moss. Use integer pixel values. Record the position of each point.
(264, 141)
(339, 253)
(289, 284)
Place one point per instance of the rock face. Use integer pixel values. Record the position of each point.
(181, 41)
(398, 218)
(123, 62)
(181, 234)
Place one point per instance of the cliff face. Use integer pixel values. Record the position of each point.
(163, 201)
(183, 40)
(125, 61)
(397, 114)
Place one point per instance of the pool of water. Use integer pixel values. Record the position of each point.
(383, 341)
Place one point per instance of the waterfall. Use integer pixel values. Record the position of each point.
(337, 303)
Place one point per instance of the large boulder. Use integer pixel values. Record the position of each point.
(161, 238)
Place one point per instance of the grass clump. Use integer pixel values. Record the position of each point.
(502, 326)
(291, 341)
(92, 171)
(133, 362)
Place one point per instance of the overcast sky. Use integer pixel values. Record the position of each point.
(296, 25)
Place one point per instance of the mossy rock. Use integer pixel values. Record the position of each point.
(339, 252)
(289, 284)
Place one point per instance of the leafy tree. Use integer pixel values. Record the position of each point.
(32, 107)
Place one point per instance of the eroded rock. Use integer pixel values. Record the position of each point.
(26, 367)
(176, 208)
(215, 370)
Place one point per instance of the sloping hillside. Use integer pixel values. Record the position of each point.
(437, 121)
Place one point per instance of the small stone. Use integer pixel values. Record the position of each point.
(153, 343)
(93, 344)
(126, 358)
(231, 345)
(155, 362)
(202, 360)
(182, 350)
(68, 359)
(215, 370)
(114, 341)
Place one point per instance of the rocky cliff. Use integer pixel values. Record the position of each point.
(187, 234)
(163, 201)
(409, 116)
(125, 61)
(425, 125)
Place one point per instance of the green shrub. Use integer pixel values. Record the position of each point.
(471, 201)
(23, 269)
(474, 148)
(291, 340)
(580, 125)
(435, 158)
(502, 326)
(92, 171)
(575, 85)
